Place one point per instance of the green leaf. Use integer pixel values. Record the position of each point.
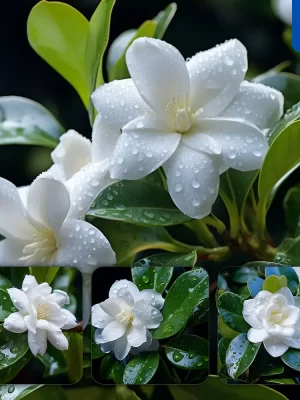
(230, 307)
(74, 356)
(285, 151)
(222, 348)
(23, 121)
(120, 70)
(291, 206)
(117, 372)
(106, 367)
(289, 117)
(96, 350)
(274, 283)
(288, 253)
(240, 355)
(14, 354)
(6, 305)
(281, 381)
(97, 40)
(213, 388)
(189, 290)
(124, 393)
(292, 358)
(266, 365)
(64, 279)
(54, 362)
(289, 273)
(52, 34)
(255, 285)
(163, 20)
(5, 283)
(117, 48)
(225, 331)
(141, 369)
(137, 202)
(244, 292)
(44, 274)
(188, 352)
(241, 275)
(17, 392)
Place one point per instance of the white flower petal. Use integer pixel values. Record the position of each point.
(60, 297)
(99, 317)
(19, 299)
(256, 103)
(37, 342)
(148, 315)
(151, 298)
(297, 301)
(193, 181)
(286, 292)
(48, 326)
(72, 153)
(201, 141)
(275, 348)
(113, 331)
(292, 342)
(112, 306)
(149, 345)
(284, 10)
(31, 320)
(70, 319)
(124, 284)
(121, 348)
(43, 207)
(23, 193)
(58, 340)
(15, 323)
(125, 295)
(43, 289)
(106, 347)
(29, 283)
(257, 335)
(11, 250)
(291, 316)
(216, 75)
(85, 186)
(56, 316)
(13, 222)
(83, 246)
(136, 335)
(144, 146)
(244, 145)
(159, 72)
(249, 313)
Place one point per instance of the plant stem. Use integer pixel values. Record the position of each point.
(202, 232)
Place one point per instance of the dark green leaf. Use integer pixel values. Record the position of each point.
(289, 117)
(241, 275)
(289, 273)
(222, 348)
(281, 381)
(230, 307)
(289, 252)
(244, 292)
(44, 274)
(188, 352)
(156, 278)
(240, 355)
(163, 20)
(117, 372)
(255, 285)
(292, 358)
(51, 33)
(74, 356)
(54, 362)
(189, 290)
(6, 305)
(106, 367)
(141, 369)
(5, 283)
(291, 206)
(137, 202)
(33, 392)
(64, 279)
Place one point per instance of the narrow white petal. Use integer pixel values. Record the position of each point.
(113, 331)
(216, 75)
(136, 335)
(152, 298)
(11, 250)
(60, 297)
(145, 144)
(99, 317)
(243, 145)
(69, 318)
(13, 222)
(193, 181)
(124, 283)
(83, 246)
(159, 72)
(121, 348)
(58, 340)
(45, 208)
(19, 299)
(29, 283)
(256, 103)
(15, 323)
(275, 348)
(37, 342)
(72, 153)
(257, 335)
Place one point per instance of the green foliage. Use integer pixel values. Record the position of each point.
(44, 274)
(230, 307)
(163, 20)
(292, 358)
(6, 305)
(141, 369)
(274, 283)
(292, 280)
(73, 356)
(291, 205)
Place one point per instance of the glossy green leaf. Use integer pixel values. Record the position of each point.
(222, 348)
(106, 367)
(289, 117)
(141, 369)
(6, 305)
(137, 202)
(119, 69)
(188, 352)
(213, 388)
(292, 358)
(64, 279)
(54, 362)
(5, 283)
(23, 121)
(284, 150)
(288, 272)
(288, 253)
(243, 274)
(291, 206)
(74, 356)
(124, 393)
(189, 290)
(51, 33)
(17, 392)
(274, 283)
(117, 372)
(240, 355)
(266, 365)
(244, 292)
(44, 274)
(224, 329)
(230, 307)
(163, 20)
(255, 285)
(281, 381)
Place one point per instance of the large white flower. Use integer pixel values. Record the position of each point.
(49, 230)
(284, 10)
(41, 314)
(195, 119)
(124, 319)
(275, 320)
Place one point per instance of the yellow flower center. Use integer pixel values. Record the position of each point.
(42, 250)
(43, 311)
(180, 114)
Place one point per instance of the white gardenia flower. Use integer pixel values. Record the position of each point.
(41, 314)
(124, 319)
(49, 230)
(275, 320)
(284, 10)
(195, 119)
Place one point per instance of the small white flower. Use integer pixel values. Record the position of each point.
(275, 320)
(49, 230)
(195, 119)
(284, 10)
(41, 314)
(124, 319)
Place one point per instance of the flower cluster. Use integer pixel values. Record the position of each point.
(41, 313)
(124, 319)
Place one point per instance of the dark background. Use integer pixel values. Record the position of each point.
(198, 25)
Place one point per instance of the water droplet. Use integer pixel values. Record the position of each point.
(177, 356)
(257, 153)
(228, 61)
(195, 184)
(11, 389)
(178, 187)
(145, 279)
